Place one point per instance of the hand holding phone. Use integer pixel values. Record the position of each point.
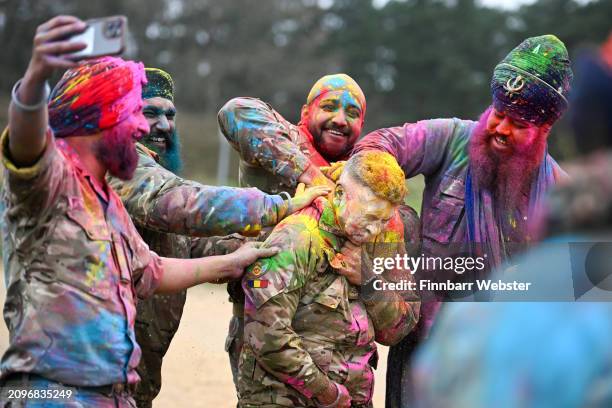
(50, 47)
(103, 36)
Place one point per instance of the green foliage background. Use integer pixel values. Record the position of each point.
(415, 59)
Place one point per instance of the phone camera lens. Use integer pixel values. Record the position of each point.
(112, 29)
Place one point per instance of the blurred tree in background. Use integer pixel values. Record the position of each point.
(415, 59)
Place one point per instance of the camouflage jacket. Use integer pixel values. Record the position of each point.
(164, 202)
(74, 267)
(273, 152)
(158, 317)
(305, 325)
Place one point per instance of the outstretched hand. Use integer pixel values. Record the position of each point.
(305, 196)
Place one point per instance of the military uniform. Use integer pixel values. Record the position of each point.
(305, 325)
(273, 154)
(158, 200)
(74, 267)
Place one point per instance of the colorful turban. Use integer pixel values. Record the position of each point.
(95, 96)
(337, 82)
(159, 84)
(533, 80)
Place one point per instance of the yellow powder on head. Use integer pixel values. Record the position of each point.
(381, 173)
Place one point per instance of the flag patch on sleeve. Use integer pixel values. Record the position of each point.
(258, 283)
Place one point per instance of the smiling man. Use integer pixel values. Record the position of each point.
(160, 112)
(74, 264)
(275, 155)
(484, 180)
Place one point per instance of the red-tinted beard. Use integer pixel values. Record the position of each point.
(508, 176)
(117, 151)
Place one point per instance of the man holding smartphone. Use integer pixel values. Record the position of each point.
(74, 263)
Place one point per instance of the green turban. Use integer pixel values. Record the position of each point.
(159, 84)
(531, 83)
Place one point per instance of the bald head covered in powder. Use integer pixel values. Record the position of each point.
(380, 172)
(369, 190)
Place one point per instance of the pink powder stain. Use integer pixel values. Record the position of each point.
(360, 366)
(299, 385)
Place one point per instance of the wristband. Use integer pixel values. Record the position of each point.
(29, 108)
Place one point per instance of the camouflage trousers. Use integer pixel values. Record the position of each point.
(157, 321)
(399, 378)
(235, 340)
(158, 318)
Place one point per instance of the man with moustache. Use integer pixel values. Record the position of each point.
(276, 155)
(484, 181)
(576, 228)
(158, 317)
(74, 263)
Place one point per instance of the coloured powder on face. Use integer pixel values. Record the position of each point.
(337, 82)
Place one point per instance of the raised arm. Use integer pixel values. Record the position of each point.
(28, 117)
(422, 147)
(262, 136)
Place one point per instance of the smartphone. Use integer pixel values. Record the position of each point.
(103, 36)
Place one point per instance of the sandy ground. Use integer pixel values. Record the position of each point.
(196, 371)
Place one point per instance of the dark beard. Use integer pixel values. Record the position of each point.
(170, 158)
(117, 151)
(508, 177)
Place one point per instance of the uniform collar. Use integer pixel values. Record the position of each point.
(144, 149)
(328, 224)
(100, 187)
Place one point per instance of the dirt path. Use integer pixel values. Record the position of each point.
(196, 372)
